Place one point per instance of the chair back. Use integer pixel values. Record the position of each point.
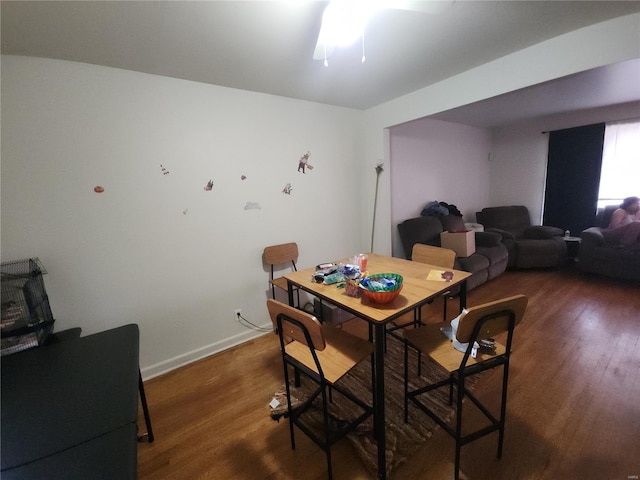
(441, 257)
(499, 311)
(292, 323)
(514, 219)
(281, 254)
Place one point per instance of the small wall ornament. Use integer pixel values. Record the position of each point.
(304, 162)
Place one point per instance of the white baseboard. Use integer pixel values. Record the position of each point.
(190, 357)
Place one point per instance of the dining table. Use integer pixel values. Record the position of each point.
(421, 283)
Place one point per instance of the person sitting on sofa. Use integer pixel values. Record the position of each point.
(624, 227)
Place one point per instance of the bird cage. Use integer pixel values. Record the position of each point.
(26, 314)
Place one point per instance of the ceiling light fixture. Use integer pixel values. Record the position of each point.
(343, 22)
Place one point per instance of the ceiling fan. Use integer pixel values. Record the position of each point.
(344, 21)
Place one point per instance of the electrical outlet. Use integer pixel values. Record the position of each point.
(237, 313)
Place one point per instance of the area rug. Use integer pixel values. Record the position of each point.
(402, 439)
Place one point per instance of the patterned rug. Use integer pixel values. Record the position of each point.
(402, 439)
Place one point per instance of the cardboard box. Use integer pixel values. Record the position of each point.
(463, 243)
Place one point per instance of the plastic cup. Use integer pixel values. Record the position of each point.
(362, 261)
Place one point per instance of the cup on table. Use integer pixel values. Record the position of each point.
(361, 261)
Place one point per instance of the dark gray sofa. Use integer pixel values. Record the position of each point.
(598, 256)
(489, 261)
(529, 246)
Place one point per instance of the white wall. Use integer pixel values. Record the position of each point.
(435, 160)
(155, 249)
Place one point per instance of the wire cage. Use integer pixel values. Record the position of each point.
(27, 319)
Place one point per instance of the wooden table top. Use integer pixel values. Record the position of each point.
(417, 288)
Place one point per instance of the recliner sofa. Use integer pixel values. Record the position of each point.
(489, 260)
(598, 256)
(529, 246)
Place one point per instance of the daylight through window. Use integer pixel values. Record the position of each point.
(620, 174)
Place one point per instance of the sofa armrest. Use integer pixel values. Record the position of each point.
(505, 235)
(542, 232)
(488, 239)
(593, 236)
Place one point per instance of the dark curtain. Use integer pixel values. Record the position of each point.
(573, 177)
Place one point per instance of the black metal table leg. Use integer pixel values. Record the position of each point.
(145, 409)
(290, 293)
(463, 295)
(379, 414)
(296, 372)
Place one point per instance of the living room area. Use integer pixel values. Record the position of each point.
(150, 198)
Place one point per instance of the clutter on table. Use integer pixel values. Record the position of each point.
(347, 276)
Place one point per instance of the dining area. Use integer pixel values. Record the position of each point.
(388, 357)
(212, 419)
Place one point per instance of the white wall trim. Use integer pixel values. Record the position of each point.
(178, 361)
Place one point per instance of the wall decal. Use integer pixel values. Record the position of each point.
(243, 177)
(98, 189)
(184, 212)
(209, 186)
(252, 206)
(304, 162)
(287, 189)
(164, 170)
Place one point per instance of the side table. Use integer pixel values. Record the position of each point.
(573, 247)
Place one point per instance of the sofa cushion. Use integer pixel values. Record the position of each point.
(514, 219)
(473, 263)
(498, 259)
(488, 239)
(541, 232)
(479, 276)
(536, 253)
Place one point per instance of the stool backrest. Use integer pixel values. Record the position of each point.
(516, 304)
(441, 257)
(294, 323)
(281, 254)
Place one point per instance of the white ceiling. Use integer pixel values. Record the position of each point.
(267, 46)
(599, 87)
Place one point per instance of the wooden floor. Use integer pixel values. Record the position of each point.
(573, 408)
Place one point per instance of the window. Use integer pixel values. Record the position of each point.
(620, 163)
